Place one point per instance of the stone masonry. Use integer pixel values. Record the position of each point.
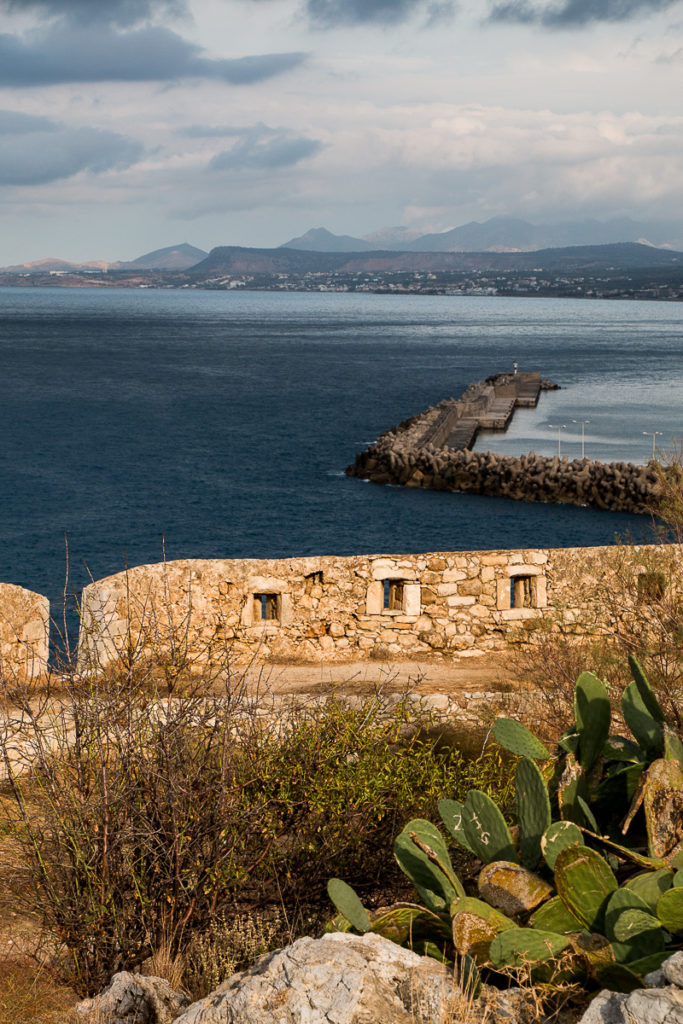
(24, 633)
(421, 607)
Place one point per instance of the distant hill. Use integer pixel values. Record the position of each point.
(620, 256)
(173, 257)
(498, 234)
(322, 240)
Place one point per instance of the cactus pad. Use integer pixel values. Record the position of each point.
(572, 784)
(673, 747)
(516, 738)
(451, 815)
(645, 727)
(650, 885)
(585, 882)
(436, 889)
(403, 921)
(619, 748)
(557, 837)
(485, 828)
(511, 888)
(348, 904)
(519, 947)
(474, 925)
(645, 690)
(593, 713)
(533, 810)
(670, 910)
(663, 803)
(553, 916)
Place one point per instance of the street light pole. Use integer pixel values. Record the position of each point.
(559, 427)
(653, 434)
(583, 440)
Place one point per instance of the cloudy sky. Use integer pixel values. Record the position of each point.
(128, 125)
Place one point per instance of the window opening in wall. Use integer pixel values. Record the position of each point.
(522, 591)
(651, 587)
(393, 595)
(314, 579)
(266, 607)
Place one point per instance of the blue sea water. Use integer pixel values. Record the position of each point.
(219, 424)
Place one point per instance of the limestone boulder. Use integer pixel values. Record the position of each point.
(337, 979)
(662, 1004)
(134, 999)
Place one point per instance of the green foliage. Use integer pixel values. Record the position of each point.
(518, 947)
(487, 834)
(572, 908)
(670, 910)
(421, 853)
(584, 882)
(516, 738)
(143, 827)
(348, 904)
(533, 810)
(557, 837)
(593, 713)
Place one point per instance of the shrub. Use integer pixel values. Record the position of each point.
(144, 819)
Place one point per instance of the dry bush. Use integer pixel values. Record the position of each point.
(151, 797)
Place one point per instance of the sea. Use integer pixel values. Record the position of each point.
(141, 424)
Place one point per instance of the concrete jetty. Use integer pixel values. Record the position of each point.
(433, 450)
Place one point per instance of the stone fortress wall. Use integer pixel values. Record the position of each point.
(437, 606)
(24, 633)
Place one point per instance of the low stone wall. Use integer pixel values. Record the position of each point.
(24, 633)
(388, 607)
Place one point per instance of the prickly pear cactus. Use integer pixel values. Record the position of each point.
(593, 714)
(511, 888)
(516, 738)
(533, 810)
(485, 828)
(550, 894)
(348, 904)
(585, 883)
(518, 947)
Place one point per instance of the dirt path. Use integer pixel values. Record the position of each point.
(463, 674)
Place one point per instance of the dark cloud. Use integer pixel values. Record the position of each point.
(575, 12)
(35, 150)
(262, 148)
(117, 12)
(330, 13)
(63, 53)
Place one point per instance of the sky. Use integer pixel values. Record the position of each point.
(129, 125)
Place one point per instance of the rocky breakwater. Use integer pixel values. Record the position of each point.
(405, 456)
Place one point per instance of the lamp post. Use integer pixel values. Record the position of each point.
(653, 434)
(559, 427)
(583, 439)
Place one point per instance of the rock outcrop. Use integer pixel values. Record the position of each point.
(662, 1004)
(339, 979)
(134, 999)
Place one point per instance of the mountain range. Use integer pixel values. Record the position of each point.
(623, 256)
(499, 234)
(404, 249)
